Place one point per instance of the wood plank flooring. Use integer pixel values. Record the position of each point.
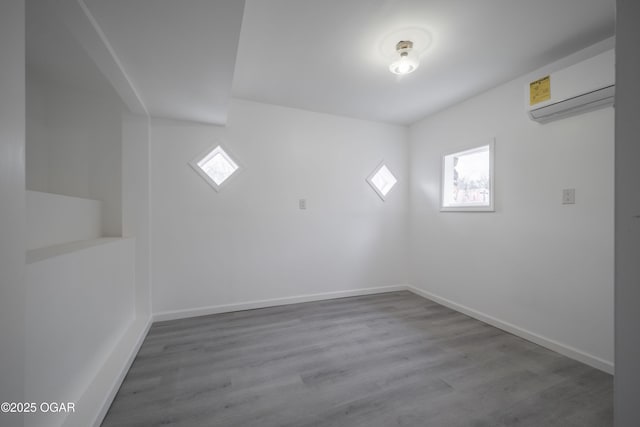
(392, 359)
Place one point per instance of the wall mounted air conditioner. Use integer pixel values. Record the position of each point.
(585, 86)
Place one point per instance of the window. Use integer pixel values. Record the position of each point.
(382, 180)
(467, 180)
(216, 166)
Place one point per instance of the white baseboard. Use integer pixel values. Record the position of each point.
(556, 346)
(95, 402)
(226, 308)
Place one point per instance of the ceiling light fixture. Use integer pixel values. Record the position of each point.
(408, 61)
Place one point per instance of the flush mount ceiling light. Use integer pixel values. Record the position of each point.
(408, 61)
(403, 48)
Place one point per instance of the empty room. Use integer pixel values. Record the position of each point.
(319, 213)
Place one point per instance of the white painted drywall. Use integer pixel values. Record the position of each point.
(538, 265)
(53, 219)
(250, 241)
(135, 202)
(12, 206)
(37, 146)
(74, 145)
(88, 305)
(80, 304)
(627, 234)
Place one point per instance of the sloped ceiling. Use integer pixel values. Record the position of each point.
(54, 54)
(178, 54)
(325, 55)
(185, 59)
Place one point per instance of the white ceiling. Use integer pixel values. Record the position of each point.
(53, 54)
(186, 58)
(325, 55)
(178, 54)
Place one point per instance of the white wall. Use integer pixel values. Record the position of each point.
(544, 268)
(74, 145)
(81, 303)
(88, 302)
(250, 242)
(627, 411)
(37, 146)
(12, 206)
(135, 202)
(53, 219)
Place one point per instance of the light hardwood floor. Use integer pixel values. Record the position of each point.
(392, 359)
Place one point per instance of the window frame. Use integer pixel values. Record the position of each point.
(225, 153)
(374, 173)
(471, 207)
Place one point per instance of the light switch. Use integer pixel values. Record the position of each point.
(568, 196)
(302, 204)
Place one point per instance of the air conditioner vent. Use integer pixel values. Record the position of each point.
(585, 86)
(590, 101)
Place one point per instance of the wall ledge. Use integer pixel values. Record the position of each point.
(41, 254)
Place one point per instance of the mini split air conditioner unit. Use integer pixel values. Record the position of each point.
(585, 86)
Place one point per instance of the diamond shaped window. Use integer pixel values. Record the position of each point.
(382, 180)
(216, 166)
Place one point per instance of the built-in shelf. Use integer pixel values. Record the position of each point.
(40, 254)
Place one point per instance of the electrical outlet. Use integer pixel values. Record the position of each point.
(569, 196)
(302, 204)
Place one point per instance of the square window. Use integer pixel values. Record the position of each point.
(467, 180)
(216, 166)
(382, 180)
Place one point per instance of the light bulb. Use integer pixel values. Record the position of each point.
(404, 65)
(408, 61)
